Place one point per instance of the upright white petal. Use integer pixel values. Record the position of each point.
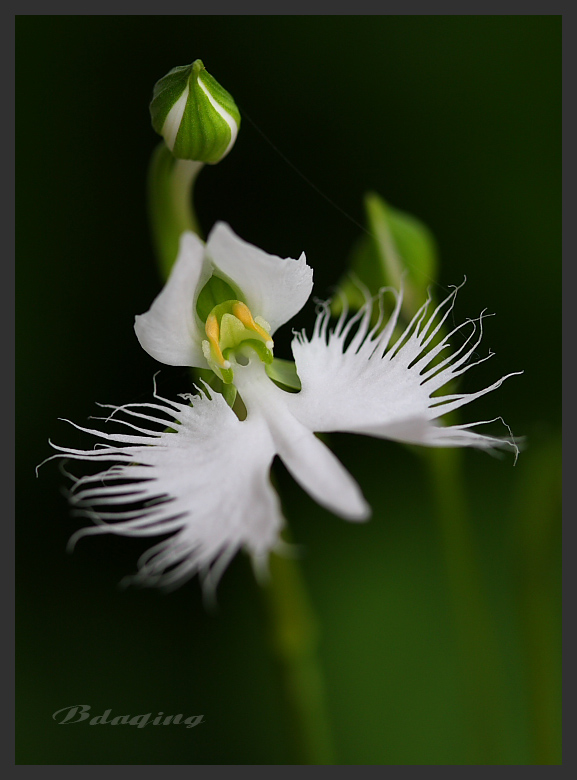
(169, 330)
(274, 288)
(309, 461)
(195, 472)
(354, 380)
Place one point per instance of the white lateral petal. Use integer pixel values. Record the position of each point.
(309, 461)
(169, 331)
(274, 288)
(206, 482)
(353, 380)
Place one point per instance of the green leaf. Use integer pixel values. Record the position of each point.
(398, 248)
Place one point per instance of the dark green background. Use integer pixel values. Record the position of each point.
(454, 119)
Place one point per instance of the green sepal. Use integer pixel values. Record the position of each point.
(218, 93)
(166, 92)
(214, 292)
(399, 250)
(284, 373)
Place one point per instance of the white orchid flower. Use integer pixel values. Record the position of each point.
(196, 471)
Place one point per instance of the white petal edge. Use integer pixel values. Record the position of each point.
(195, 472)
(169, 331)
(274, 288)
(354, 380)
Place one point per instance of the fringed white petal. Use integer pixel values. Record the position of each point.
(195, 472)
(168, 331)
(274, 288)
(354, 380)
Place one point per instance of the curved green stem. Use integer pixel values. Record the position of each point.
(294, 636)
(170, 185)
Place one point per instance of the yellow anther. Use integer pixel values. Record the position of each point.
(213, 333)
(242, 312)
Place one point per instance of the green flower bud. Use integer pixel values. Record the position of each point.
(397, 249)
(197, 118)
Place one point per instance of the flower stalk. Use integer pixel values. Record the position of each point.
(170, 203)
(475, 629)
(537, 512)
(295, 637)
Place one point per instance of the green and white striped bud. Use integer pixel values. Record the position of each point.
(197, 118)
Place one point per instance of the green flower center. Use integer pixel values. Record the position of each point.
(231, 331)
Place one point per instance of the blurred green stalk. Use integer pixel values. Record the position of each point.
(476, 631)
(294, 637)
(537, 516)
